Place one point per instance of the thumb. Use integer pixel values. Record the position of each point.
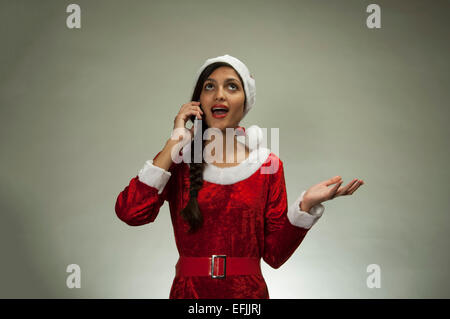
(333, 180)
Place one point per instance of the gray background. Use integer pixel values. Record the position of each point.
(82, 110)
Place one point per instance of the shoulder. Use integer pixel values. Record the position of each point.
(272, 159)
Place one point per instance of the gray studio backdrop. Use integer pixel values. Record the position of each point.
(83, 109)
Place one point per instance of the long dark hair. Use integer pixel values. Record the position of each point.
(191, 213)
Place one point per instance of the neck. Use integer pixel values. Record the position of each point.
(232, 150)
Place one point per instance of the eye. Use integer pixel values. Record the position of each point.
(234, 86)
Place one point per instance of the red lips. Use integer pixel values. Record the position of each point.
(219, 111)
(219, 106)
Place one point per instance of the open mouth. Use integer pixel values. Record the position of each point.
(219, 111)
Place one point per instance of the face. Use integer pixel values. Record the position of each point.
(223, 87)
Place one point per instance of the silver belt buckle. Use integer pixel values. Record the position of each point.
(224, 266)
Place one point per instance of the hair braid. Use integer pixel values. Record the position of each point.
(191, 213)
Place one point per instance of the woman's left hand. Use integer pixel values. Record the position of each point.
(320, 192)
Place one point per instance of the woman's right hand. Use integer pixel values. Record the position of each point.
(168, 154)
(186, 111)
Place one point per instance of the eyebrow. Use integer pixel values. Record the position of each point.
(227, 80)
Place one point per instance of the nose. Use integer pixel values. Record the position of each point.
(220, 94)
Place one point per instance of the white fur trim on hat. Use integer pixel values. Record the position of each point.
(241, 68)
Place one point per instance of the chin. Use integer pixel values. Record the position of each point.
(221, 125)
(217, 125)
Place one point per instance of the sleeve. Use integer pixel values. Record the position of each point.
(281, 236)
(303, 219)
(139, 203)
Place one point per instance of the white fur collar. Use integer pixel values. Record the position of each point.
(237, 173)
(233, 174)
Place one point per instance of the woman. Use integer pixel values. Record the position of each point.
(227, 213)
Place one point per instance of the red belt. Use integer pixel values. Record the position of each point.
(218, 266)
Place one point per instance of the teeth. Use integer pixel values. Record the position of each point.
(219, 109)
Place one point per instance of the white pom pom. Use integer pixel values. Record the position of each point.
(254, 136)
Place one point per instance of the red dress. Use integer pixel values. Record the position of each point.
(245, 214)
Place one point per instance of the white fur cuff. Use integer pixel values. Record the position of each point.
(303, 219)
(154, 176)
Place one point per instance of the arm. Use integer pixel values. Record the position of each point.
(139, 203)
(285, 227)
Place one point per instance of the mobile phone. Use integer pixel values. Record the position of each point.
(193, 117)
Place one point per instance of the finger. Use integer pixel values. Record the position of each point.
(349, 185)
(194, 108)
(334, 189)
(350, 190)
(197, 108)
(193, 112)
(189, 105)
(354, 188)
(332, 180)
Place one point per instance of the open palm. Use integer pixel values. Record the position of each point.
(321, 192)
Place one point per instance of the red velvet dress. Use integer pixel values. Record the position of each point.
(245, 214)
